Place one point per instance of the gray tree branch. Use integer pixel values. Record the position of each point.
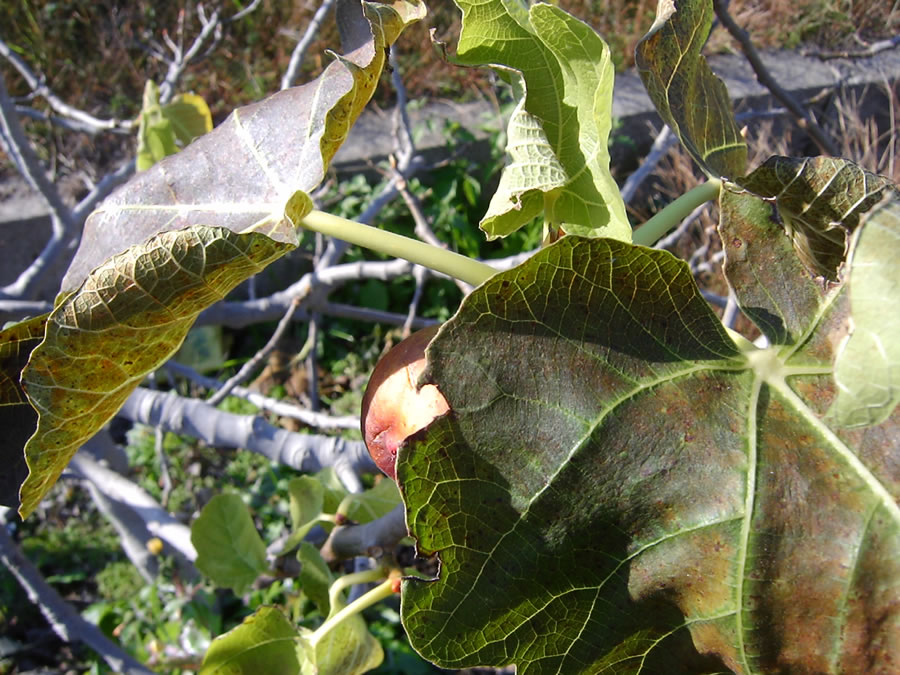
(303, 452)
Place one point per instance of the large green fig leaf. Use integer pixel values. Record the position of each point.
(686, 93)
(622, 488)
(178, 237)
(558, 133)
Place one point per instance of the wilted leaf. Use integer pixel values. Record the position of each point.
(820, 201)
(558, 133)
(263, 643)
(771, 284)
(620, 489)
(229, 549)
(867, 370)
(685, 92)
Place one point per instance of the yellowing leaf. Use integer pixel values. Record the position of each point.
(126, 319)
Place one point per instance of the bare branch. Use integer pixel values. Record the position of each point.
(87, 123)
(371, 539)
(308, 417)
(159, 522)
(871, 50)
(303, 452)
(211, 30)
(290, 75)
(804, 121)
(62, 617)
(133, 533)
(673, 237)
(248, 368)
(66, 123)
(244, 12)
(420, 274)
(664, 140)
(20, 151)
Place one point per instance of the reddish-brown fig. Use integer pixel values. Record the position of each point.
(393, 408)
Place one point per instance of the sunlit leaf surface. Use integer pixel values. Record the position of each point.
(558, 133)
(263, 643)
(867, 369)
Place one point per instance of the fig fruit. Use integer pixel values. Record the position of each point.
(393, 407)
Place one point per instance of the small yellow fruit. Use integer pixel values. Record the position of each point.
(392, 407)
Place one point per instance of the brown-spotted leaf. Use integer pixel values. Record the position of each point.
(819, 203)
(773, 286)
(179, 236)
(689, 97)
(620, 488)
(127, 318)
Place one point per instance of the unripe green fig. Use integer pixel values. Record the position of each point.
(392, 407)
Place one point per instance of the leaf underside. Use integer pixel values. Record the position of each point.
(177, 238)
(558, 133)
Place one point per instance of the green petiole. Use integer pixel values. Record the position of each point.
(651, 231)
(472, 271)
(377, 594)
(438, 259)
